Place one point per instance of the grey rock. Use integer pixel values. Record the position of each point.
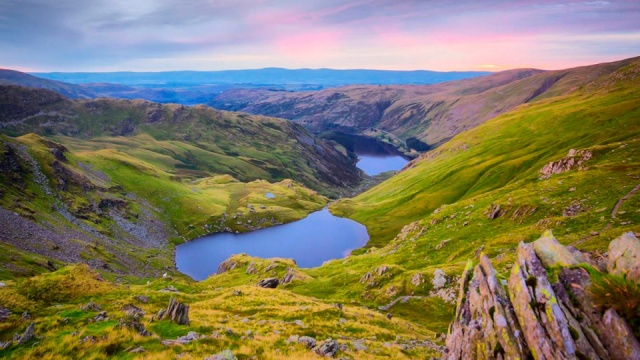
(439, 279)
(624, 257)
(327, 348)
(224, 355)
(176, 311)
(269, 283)
(28, 335)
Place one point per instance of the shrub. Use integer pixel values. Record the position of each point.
(620, 294)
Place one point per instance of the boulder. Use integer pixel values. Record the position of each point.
(226, 266)
(269, 283)
(439, 279)
(91, 307)
(4, 314)
(552, 253)
(307, 341)
(624, 257)
(417, 279)
(327, 348)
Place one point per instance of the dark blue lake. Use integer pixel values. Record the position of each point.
(376, 163)
(310, 242)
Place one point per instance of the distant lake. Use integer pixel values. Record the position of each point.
(375, 156)
(310, 242)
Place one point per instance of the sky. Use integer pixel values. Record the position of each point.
(448, 35)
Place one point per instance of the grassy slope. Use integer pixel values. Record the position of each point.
(504, 153)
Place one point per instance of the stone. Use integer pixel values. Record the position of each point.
(327, 348)
(624, 257)
(359, 345)
(575, 159)
(176, 311)
(288, 277)
(91, 307)
(143, 299)
(439, 279)
(271, 267)
(494, 211)
(251, 269)
(624, 344)
(25, 316)
(381, 270)
(417, 279)
(269, 283)
(307, 341)
(4, 314)
(226, 266)
(224, 355)
(102, 316)
(137, 350)
(28, 335)
(552, 253)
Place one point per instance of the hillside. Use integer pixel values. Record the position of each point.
(456, 236)
(431, 113)
(90, 180)
(11, 77)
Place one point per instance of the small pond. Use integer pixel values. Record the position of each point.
(310, 242)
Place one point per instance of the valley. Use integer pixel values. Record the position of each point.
(522, 177)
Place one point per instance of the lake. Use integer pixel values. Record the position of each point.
(375, 156)
(310, 242)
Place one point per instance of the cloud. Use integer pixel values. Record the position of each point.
(74, 35)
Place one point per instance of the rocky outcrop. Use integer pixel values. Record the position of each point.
(575, 159)
(538, 313)
(269, 283)
(176, 311)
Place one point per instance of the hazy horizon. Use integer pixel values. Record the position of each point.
(200, 35)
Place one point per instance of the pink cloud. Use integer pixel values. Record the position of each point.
(308, 44)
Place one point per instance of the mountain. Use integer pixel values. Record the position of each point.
(431, 113)
(11, 77)
(270, 76)
(515, 238)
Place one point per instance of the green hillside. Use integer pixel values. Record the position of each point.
(564, 163)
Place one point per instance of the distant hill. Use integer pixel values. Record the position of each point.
(273, 76)
(11, 77)
(432, 113)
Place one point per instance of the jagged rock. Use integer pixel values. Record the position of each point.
(366, 277)
(575, 158)
(538, 319)
(382, 269)
(547, 328)
(551, 252)
(102, 316)
(288, 277)
(25, 316)
(439, 279)
(137, 350)
(6, 345)
(623, 344)
(624, 257)
(251, 269)
(327, 348)
(91, 307)
(442, 244)
(485, 324)
(4, 314)
(176, 311)
(271, 267)
(417, 280)
(143, 299)
(133, 322)
(224, 355)
(170, 288)
(494, 211)
(269, 283)
(28, 335)
(226, 266)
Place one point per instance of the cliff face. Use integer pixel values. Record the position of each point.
(550, 307)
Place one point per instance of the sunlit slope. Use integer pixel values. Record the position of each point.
(509, 150)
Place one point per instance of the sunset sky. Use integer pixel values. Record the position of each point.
(157, 35)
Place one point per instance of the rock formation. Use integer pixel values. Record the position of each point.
(176, 311)
(545, 310)
(575, 159)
